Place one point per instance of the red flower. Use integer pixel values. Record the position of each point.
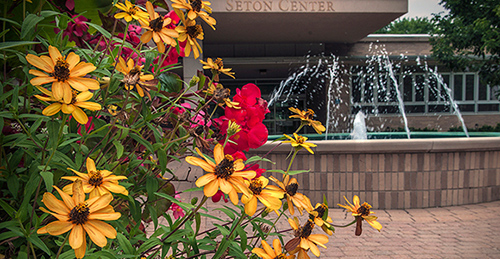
(218, 195)
(253, 109)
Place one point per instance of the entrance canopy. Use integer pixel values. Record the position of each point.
(300, 21)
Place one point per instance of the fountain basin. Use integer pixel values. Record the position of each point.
(396, 173)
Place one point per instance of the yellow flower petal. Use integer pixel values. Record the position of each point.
(105, 228)
(72, 59)
(105, 216)
(54, 204)
(54, 54)
(80, 116)
(76, 236)
(39, 63)
(95, 235)
(100, 203)
(251, 206)
(68, 109)
(70, 203)
(82, 69)
(116, 188)
(211, 188)
(201, 163)
(40, 80)
(56, 228)
(52, 109)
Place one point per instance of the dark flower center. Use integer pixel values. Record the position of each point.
(133, 77)
(194, 31)
(196, 5)
(306, 230)
(132, 10)
(220, 94)
(291, 189)
(79, 214)
(218, 62)
(61, 71)
(309, 114)
(95, 179)
(280, 256)
(225, 168)
(256, 186)
(321, 210)
(364, 210)
(156, 24)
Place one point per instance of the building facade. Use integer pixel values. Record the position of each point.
(319, 54)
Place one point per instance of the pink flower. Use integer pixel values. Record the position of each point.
(176, 209)
(76, 30)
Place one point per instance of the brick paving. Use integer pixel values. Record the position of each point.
(466, 231)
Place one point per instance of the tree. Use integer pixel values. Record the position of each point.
(468, 37)
(408, 26)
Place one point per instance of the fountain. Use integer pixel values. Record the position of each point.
(359, 129)
(390, 173)
(376, 90)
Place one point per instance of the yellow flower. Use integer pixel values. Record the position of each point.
(62, 72)
(156, 29)
(195, 10)
(304, 240)
(225, 173)
(96, 182)
(266, 252)
(307, 118)
(299, 142)
(217, 67)
(189, 32)
(290, 186)
(318, 214)
(80, 216)
(131, 12)
(361, 212)
(221, 95)
(135, 77)
(233, 128)
(73, 107)
(270, 196)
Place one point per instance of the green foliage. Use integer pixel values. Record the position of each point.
(418, 25)
(468, 37)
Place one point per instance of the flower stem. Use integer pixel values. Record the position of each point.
(291, 161)
(344, 226)
(193, 212)
(62, 245)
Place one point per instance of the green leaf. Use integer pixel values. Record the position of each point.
(170, 82)
(148, 244)
(162, 158)
(53, 128)
(104, 32)
(254, 159)
(5, 206)
(243, 235)
(221, 249)
(227, 212)
(11, 21)
(142, 141)
(183, 205)
(34, 239)
(193, 189)
(13, 185)
(119, 148)
(125, 244)
(294, 172)
(29, 25)
(48, 178)
(276, 171)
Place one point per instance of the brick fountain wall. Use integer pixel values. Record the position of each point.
(396, 174)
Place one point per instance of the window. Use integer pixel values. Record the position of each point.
(422, 92)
